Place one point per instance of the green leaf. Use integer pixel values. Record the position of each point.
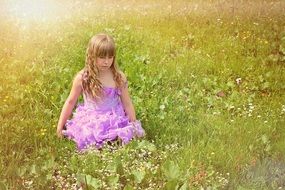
(146, 145)
(138, 175)
(113, 180)
(171, 170)
(93, 181)
(171, 185)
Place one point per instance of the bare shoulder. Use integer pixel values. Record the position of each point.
(78, 78)
(81, 72)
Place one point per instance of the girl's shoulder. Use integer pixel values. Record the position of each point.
(81, 72)
(79, 76)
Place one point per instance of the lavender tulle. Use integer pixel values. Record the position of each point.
(96, 122)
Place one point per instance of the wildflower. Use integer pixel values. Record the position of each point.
(238, 81)
(283, 109)
(162, 107)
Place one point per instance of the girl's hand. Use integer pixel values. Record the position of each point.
(59, 133)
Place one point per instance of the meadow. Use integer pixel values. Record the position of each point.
(206, 77)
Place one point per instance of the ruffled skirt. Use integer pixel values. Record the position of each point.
(90, 127)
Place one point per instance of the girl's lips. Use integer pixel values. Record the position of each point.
(104, 67)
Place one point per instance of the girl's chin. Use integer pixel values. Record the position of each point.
(104, 68)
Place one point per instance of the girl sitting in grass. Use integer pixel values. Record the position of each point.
(107, 113)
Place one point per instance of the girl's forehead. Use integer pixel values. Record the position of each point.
(106, 50)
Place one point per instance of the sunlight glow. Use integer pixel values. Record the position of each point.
(38, 10)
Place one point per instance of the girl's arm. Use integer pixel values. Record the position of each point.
(126, 100)
(69, 103)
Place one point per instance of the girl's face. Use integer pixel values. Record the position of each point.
(104, 63)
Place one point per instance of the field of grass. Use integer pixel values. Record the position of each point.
(206, 77)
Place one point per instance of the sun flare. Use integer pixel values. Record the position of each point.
(39, 10)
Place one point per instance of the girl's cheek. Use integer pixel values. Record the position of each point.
(100, 62)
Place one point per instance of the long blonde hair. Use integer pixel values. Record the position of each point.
(100, 45)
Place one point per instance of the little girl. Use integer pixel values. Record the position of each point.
(107, 113)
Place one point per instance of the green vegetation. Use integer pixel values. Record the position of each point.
(206, 77)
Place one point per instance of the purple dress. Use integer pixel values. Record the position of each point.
(96, 122)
